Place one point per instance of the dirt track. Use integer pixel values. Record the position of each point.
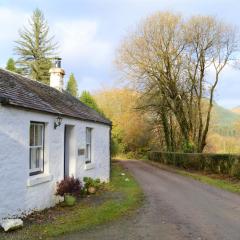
(176, 208)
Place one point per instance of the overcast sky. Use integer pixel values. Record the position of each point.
(89, 31)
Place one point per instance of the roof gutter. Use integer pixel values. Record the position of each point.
(7, 102)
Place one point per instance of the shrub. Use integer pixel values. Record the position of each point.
(188, 147)
(213, 163)
(191, 162)
(236, 170)
(92, 185)
(90, 182)
(69, 185)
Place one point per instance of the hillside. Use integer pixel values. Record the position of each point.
(236, 110)
(224, 117)
(224, 122)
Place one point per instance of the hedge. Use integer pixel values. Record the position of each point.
(208, 162)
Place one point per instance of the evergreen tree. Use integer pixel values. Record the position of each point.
(72, 87)
(11, 66)
(88, 99)
(35, 48)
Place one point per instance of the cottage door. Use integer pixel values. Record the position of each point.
(69, 151)
(66, 151)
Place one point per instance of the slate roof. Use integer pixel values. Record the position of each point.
(19, 91)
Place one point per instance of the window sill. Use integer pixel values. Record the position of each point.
(32, 181)
(89, 166)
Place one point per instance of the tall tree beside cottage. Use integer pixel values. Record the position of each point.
(72, 86)
(35, 48)
(89, 100)
(168, 59)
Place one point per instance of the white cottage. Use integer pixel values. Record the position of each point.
(46, 135)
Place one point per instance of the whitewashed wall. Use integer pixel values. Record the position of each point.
(20, 192)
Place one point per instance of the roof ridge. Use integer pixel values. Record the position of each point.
(34, 82)
(28, 93)
(25, 77)
(78, 100)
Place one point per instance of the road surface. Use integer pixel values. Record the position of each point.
(176, 208)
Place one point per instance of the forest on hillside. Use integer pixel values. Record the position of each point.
(135, 133)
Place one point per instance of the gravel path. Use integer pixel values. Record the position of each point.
(176, 208)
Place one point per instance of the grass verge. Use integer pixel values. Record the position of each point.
(120, 199)
(228, 184)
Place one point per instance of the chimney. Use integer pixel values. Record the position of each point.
(57, 75)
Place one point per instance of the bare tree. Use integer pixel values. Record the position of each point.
(167, 59)
(210, 45)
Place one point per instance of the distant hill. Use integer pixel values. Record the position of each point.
(224, 120)
(236, 110)
(224, 117)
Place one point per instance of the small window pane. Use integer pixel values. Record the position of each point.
(38, 135)
(39, 161)
(37, 157)
(33, 156)
(31, 135)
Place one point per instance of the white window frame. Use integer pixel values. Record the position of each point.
(40, 169)
(88, 154)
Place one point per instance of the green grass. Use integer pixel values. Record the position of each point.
(219, 183)
(216, 181)
(130, 156)
(86, 215)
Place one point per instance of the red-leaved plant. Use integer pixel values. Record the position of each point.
(69, 185)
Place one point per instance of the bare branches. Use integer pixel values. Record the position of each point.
(168, 58)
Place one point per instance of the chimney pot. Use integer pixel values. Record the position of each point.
(58, 62)
(57, 75)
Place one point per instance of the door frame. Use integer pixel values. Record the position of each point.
(69, 150)
(64, 152)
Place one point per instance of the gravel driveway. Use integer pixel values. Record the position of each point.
(176, 207)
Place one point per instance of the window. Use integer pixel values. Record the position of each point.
(36, 145)
(88, 145)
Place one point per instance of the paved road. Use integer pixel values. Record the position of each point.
(176, 208)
